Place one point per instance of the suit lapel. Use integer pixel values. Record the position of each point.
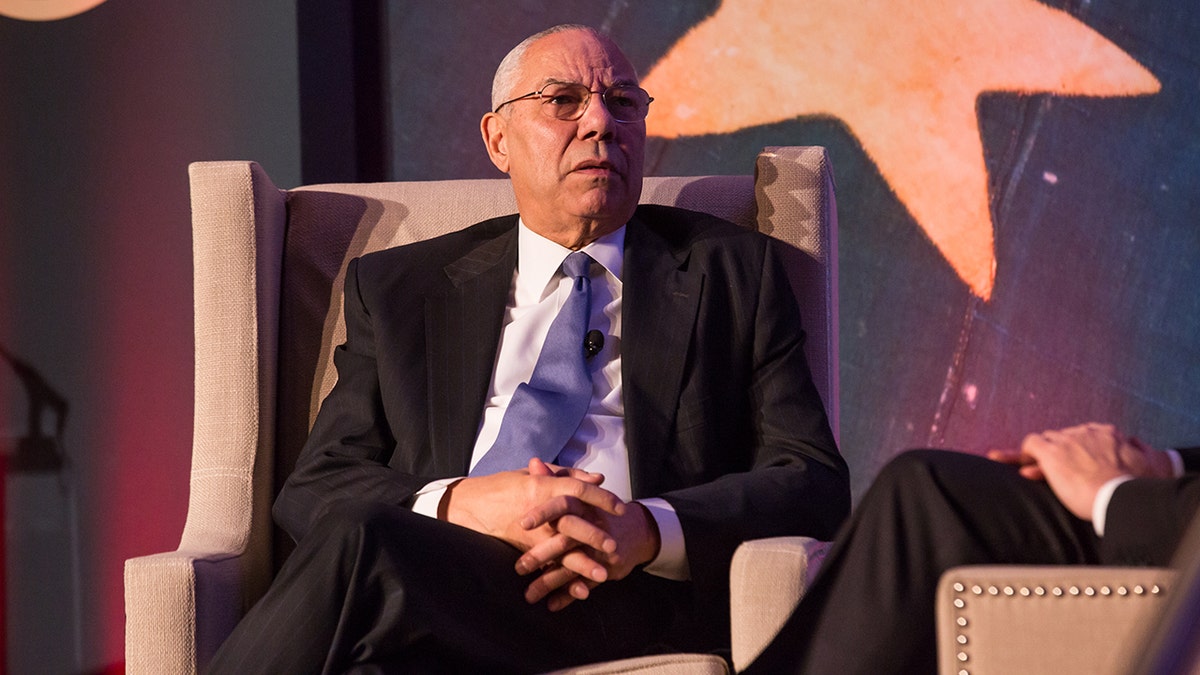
(658, 323)
(462, 334)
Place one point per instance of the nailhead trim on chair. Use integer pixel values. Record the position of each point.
(962, 593)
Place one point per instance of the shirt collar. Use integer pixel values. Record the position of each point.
(538, 258)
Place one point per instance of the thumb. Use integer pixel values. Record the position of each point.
(539, 468)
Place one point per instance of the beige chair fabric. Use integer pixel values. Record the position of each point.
(667, 664)
(768, 577)
(268, 269)
(1057, 620)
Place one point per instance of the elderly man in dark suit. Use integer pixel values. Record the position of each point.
(1083, 495)
(428, 538)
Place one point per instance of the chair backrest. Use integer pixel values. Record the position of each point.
(269, 265)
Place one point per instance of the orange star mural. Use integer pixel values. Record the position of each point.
(903, 76)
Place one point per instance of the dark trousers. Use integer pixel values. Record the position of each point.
(376, 588)
(871, 609)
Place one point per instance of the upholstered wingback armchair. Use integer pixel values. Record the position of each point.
(1073, 619)
(1059, 620)
(268, 291)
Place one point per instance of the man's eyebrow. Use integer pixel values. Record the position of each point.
(621, 82)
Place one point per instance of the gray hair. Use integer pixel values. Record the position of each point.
(506, 72)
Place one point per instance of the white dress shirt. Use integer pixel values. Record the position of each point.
(538, 290)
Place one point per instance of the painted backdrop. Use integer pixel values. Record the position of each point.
(1017, 185)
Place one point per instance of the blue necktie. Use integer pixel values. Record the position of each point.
(545, 412)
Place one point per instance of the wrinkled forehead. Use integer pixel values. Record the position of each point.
(575, 56)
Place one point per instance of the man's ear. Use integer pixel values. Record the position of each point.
(494, 128)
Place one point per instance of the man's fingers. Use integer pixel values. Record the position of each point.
(544, 553)
(1006, 456)
(568, 472)
(572, 532)
(584, 565)
(564, 505)
(1036, 448)
(596, 496)
(586, 532)
(559, 601)
(586, 476)
(1026, 464)
(549, 512)
(539, 468)
(1032, 443)
(576, 590)
(548, 582)
(558, 577)
(1032, 472)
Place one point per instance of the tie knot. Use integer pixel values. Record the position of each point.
(576, 265)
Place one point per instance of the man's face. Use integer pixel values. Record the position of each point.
(574, 180)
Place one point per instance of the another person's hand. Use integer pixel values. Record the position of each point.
(1077, 461)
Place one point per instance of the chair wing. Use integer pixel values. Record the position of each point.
(180, 605)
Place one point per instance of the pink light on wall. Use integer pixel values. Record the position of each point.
(6, 321)
(155, 109)
(108, 108)
(142, 370)
(3, 564)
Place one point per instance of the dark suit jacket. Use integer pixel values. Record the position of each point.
(1148, 517)
(721, 416)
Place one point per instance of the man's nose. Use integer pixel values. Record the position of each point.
(597, 122)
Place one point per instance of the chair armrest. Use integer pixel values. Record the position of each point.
(1045, 619)
(661, 664)
(179, 607)
(767, 579)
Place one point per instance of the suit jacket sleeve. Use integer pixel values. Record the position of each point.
(1148, 517)
(751, 437)
(347, 452)
(1191, 459)
(389, 427)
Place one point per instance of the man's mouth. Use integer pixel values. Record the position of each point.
(595, 166)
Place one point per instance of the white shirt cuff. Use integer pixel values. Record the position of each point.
(1103, 497)
(671, 562)
(429, 497)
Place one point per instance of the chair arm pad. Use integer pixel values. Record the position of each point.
(661, 664)
(767, 579)
(1049, 619)
(179, 607)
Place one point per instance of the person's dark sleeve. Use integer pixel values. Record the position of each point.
(797, 482)
(1191, 459)
(347, 453)
(1147, 518)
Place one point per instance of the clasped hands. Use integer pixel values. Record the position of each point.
(1077, 461)
(573, 534)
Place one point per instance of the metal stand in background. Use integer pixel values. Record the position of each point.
(40, 593)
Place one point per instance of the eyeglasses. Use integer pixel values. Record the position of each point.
(569, 100)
